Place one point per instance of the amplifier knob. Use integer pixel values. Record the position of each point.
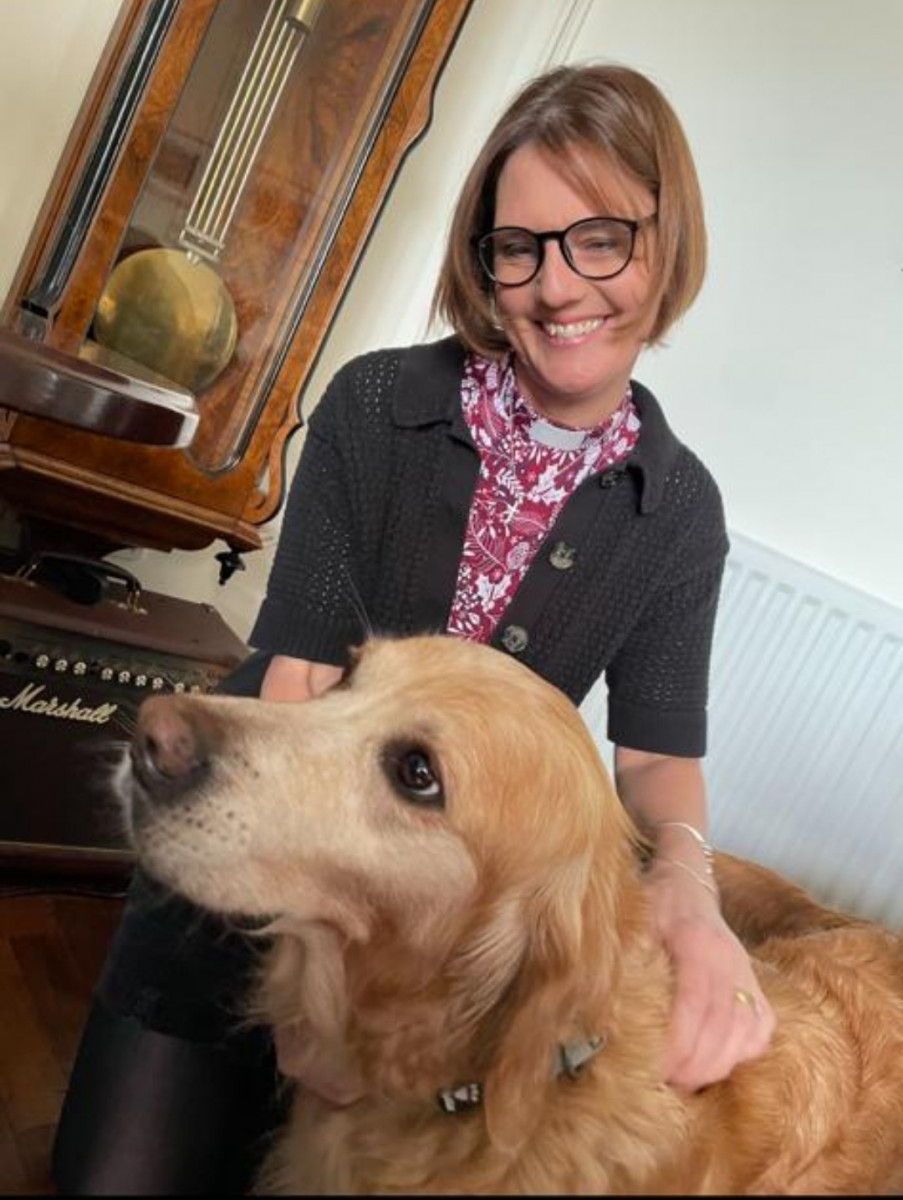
(195, 687)
(140, 681)
(61, 666)
(42, 660)
(106, 674)
(123, 676)
(80, 668)
(157, 684)
(178, 686)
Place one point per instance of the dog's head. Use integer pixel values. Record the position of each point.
(434, 766)
(442, 800)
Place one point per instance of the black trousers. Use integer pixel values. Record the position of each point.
(170, 1094)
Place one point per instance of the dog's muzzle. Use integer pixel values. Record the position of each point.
(171, 750)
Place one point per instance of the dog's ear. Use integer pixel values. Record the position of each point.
(303, 997)
(557, 986)
(304, 980)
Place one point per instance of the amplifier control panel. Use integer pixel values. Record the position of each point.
(47, 655)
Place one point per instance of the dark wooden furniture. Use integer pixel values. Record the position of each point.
(203, 224)
(43, 382)
(53, 940)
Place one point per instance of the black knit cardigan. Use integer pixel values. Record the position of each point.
(625, 582)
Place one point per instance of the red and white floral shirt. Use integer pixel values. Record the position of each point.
(528, 469)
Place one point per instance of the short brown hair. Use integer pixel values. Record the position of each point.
(580, 115)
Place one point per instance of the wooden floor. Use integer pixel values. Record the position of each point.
(52, 946)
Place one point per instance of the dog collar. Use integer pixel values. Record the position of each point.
(567, 1060)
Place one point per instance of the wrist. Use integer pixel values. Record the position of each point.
(682, 861)
(681, 877)
(685, 846)
(677, 899)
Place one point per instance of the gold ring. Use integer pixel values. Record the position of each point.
(744, 997)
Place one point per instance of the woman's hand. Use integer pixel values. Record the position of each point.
(295, 679)
(720, 1015)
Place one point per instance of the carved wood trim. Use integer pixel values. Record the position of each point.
(405, 123)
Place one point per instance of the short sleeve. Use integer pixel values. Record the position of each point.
(658, 681)
(313, 599)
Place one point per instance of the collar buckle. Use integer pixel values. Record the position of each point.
(461, 1099)
(568, 1060)
(573, 1057)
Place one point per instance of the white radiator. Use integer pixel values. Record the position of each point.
(805, 764)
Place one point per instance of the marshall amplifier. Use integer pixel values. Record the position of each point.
(72, 675)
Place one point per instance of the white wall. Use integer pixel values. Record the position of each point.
(48, 51)
(787, 373)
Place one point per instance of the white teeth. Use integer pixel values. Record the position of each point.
(576, 329)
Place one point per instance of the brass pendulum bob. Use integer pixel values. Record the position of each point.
(167, 308)
(170, 311)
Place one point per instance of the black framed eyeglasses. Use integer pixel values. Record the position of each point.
(596, 248)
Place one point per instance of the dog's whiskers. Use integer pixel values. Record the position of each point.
(126, 723)
(357, 603)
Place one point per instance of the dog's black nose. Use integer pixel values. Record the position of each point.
(172, 745)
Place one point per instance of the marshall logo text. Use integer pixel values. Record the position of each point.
(29, 700)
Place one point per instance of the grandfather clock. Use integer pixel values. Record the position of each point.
(217, 190)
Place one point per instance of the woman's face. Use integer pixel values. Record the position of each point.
(573, 340)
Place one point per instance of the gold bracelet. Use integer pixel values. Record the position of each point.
(706, 883)
(708, 852)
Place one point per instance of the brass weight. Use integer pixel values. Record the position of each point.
(170, 311)
(166, 308)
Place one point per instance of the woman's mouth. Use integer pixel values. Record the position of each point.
(561, 331)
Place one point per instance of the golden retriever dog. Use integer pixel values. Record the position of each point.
(462, 969)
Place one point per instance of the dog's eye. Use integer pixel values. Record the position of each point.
(416, 773)
(410, 770)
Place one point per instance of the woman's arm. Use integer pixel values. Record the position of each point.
(712, 1029)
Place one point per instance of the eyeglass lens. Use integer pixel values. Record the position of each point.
(597, 248)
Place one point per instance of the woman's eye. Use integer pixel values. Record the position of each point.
(513, 250)
(598, 243)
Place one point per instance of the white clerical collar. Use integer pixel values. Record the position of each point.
(555, 436)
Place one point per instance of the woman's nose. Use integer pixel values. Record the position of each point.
(556, 282)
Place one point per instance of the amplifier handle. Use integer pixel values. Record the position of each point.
(96, 567)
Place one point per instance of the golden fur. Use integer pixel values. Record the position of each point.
(419, 945)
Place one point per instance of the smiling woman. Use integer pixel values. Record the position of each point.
(576, 333)
(537, 386)
(594, 166)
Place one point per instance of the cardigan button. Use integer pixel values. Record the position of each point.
(515, 639)
(563, 556)
(609, 478)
